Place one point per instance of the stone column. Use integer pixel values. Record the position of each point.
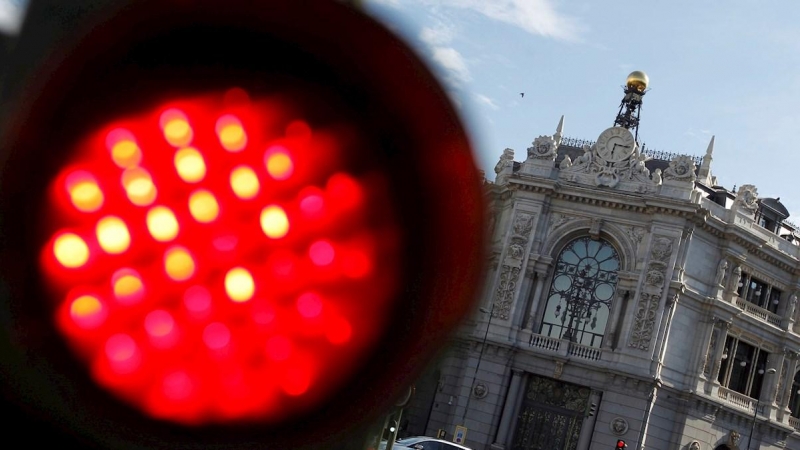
(509, 410)
(613, 320)
(770, 386)
(787, 378)
(666, 325)
(538, 304)
(723, 336)
(707, 348)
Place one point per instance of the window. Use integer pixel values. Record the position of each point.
(794, 400)
(759, 293)
(742, 368)
(581, 292)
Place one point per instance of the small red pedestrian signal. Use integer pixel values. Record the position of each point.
(621, 445)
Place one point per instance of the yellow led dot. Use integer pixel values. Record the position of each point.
(190, 165)
(139, 186)
(274, 222)
(70, 250)
(127, 285)
(279, 165)
(203, 206)
(84, 192)
(179, 264)
(84, 306)
(244, 182)
(176, 128)
(113, 235)
(239, 285)
(231, 134)
(126, 154)
(162, 224)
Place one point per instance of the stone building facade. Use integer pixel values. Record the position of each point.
(626, 297)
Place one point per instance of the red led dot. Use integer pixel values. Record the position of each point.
(311, 203)
(297, 379)
(177, 386)
(345, 190)
(339, 331)
(122, 353)
(216, 336)
(356, 264)
(159, 323)
(321, 253)
(197, 301)
(309, 305)
(279, 348)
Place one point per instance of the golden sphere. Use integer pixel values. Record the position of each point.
(638, 80)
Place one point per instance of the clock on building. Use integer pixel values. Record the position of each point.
(615, 144)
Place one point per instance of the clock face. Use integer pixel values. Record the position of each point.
(615, 144)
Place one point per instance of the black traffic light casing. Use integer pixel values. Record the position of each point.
(121, 58)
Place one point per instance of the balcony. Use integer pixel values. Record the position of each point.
(758, 312)
(565, 347)
(737, 400)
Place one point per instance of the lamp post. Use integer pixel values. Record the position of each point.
(770, 371)
(478, 364)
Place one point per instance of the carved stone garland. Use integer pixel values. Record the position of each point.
(509, 274)
(650, 296)
(707, 361)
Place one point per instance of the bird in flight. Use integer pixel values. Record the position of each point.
(522, 94)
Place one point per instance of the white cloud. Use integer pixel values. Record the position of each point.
(452, 61)
(484, 100)
(537, 17)
(440, 35)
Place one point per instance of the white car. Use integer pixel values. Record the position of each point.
(423, 443)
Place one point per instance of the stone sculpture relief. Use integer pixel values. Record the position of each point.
(681, 168)
(506, 159)
(544, 147)
(650, 294)
(509, 274)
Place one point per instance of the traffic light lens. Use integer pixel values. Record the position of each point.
(210, 260)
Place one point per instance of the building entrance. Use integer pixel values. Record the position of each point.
(551, 415)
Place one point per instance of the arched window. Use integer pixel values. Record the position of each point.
(581, 292)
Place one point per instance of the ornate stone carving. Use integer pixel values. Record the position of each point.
(782, 380)
(594, 229)
(747, 197)
(618, 426)
(681, 168)
(565, 163)
(694, 445)
(523, 224)
(733, 283)
(657, 179)
(650, 294)
(712, 346)
(515, 251)
(509, 272)
(506, 159)
(609, 171)
(544, 147)
(733, 439)
(722, 271)
(505, 292)
(559, 369)
(480, 391)
(556, 220)
(791, 306)
(636, 234)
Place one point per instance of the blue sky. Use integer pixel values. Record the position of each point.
(730, 69)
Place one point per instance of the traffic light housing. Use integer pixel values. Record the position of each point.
(319, 68)
(592, 410)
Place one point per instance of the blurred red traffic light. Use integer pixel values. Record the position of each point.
(244, 223)
(207, 268)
